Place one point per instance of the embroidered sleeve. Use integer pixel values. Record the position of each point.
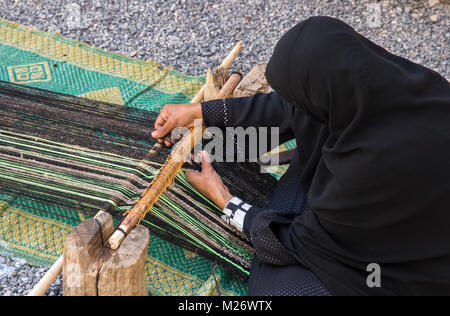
(217, 112)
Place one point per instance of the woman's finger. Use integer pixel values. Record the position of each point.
(160, 121)
(168, 143)
(162, 131)
(206, 162)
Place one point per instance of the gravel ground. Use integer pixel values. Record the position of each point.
(194, 34)
(17, 278)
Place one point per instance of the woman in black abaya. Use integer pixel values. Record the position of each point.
(370, 181)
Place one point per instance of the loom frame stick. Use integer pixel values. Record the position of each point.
(48, 278)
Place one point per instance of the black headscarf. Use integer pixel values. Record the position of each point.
(378, 177)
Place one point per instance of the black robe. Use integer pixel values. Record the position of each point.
(373, 131)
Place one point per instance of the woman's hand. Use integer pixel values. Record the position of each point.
(176, 115)
(209, 183)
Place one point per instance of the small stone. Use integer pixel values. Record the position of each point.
(12, 274)
(433, 3)
(434, 17)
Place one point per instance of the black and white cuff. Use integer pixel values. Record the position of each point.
(216, 113)
(235, 213)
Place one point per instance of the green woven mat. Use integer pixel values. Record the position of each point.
(52, 62)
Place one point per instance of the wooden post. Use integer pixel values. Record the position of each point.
(92, 270)
(123, 273)
(57, 267)
(214, 82)
(255, 82)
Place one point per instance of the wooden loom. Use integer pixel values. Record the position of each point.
(99, 260)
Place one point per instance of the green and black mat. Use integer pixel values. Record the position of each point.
(63, 158)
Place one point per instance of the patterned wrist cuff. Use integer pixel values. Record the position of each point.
(235, 212)
(216, 113)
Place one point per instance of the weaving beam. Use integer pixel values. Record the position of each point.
(149, 197)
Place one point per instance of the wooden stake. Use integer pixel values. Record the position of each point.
(211, 86)
(92, 270)
(123, 273)
(217, 79)
(254, 82)
(57, 267)
(214, 82)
